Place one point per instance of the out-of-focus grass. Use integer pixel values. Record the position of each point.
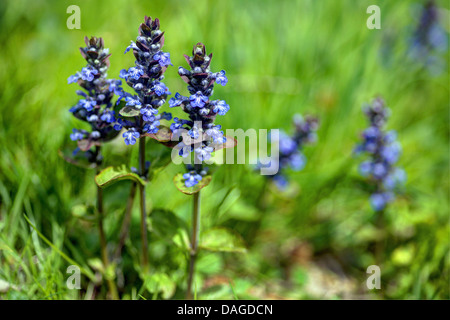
(282, 57)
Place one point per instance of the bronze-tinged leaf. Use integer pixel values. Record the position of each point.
(230, 143)
(163, 135)
(142, 46)
(93, 54)
(83, 54)
(188, 59)
(85, 144)
(158, 38)
(200, 75)
(81, 159)
(186, 79)
(156, 24)
(179, 183)
(129, 111)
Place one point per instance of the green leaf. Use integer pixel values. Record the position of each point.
(111, 175)
(179, 183)
(85, 271)
(165, 224)
(129, 111)
(222, 240)
(160, 156)
(181, 240)
(161, 283)
(86, 213)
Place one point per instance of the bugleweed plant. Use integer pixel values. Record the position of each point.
(383, 151)
(140, 116)
(291, 155)
(429, 40)
(95, 108)
(200, 135)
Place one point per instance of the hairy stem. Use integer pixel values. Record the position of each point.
(126, 223)
(111, 284)
(194, 241)
(142, 205)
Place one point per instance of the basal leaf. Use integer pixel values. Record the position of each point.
(179, 183)
(111, 175)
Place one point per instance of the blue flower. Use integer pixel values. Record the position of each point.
(365, 168)
(132, 101)
(215, 133)
(220, 107)
(88, 104)
(194, 133)
(383, 153)
(286, 144)
(92, 118)
(379, 170)
(203, 153)
(115, 86)
(73, 78)
(163, 59)
(198, 100)
(151, 127)
(131, 46)
(123, 74)
(135, 73)
(160, 88)
(76, 135)
(378, 201)
(176, 101)
(88, 73)
(148, 113)
(131, 136)
(119, 125)
(191, 179)
(108, 116)
(166, 116)
(95, 135)
(391, 152)
(221, 78)
(280, 181)
(176, 125)
(297, 161)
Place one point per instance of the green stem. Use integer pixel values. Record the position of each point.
(111, 284)
(379, 245)
(144, 238)
(126, 223)
(194, 242)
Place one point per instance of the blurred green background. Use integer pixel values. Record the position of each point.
(281, 58)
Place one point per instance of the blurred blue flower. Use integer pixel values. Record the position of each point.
(383, 151)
